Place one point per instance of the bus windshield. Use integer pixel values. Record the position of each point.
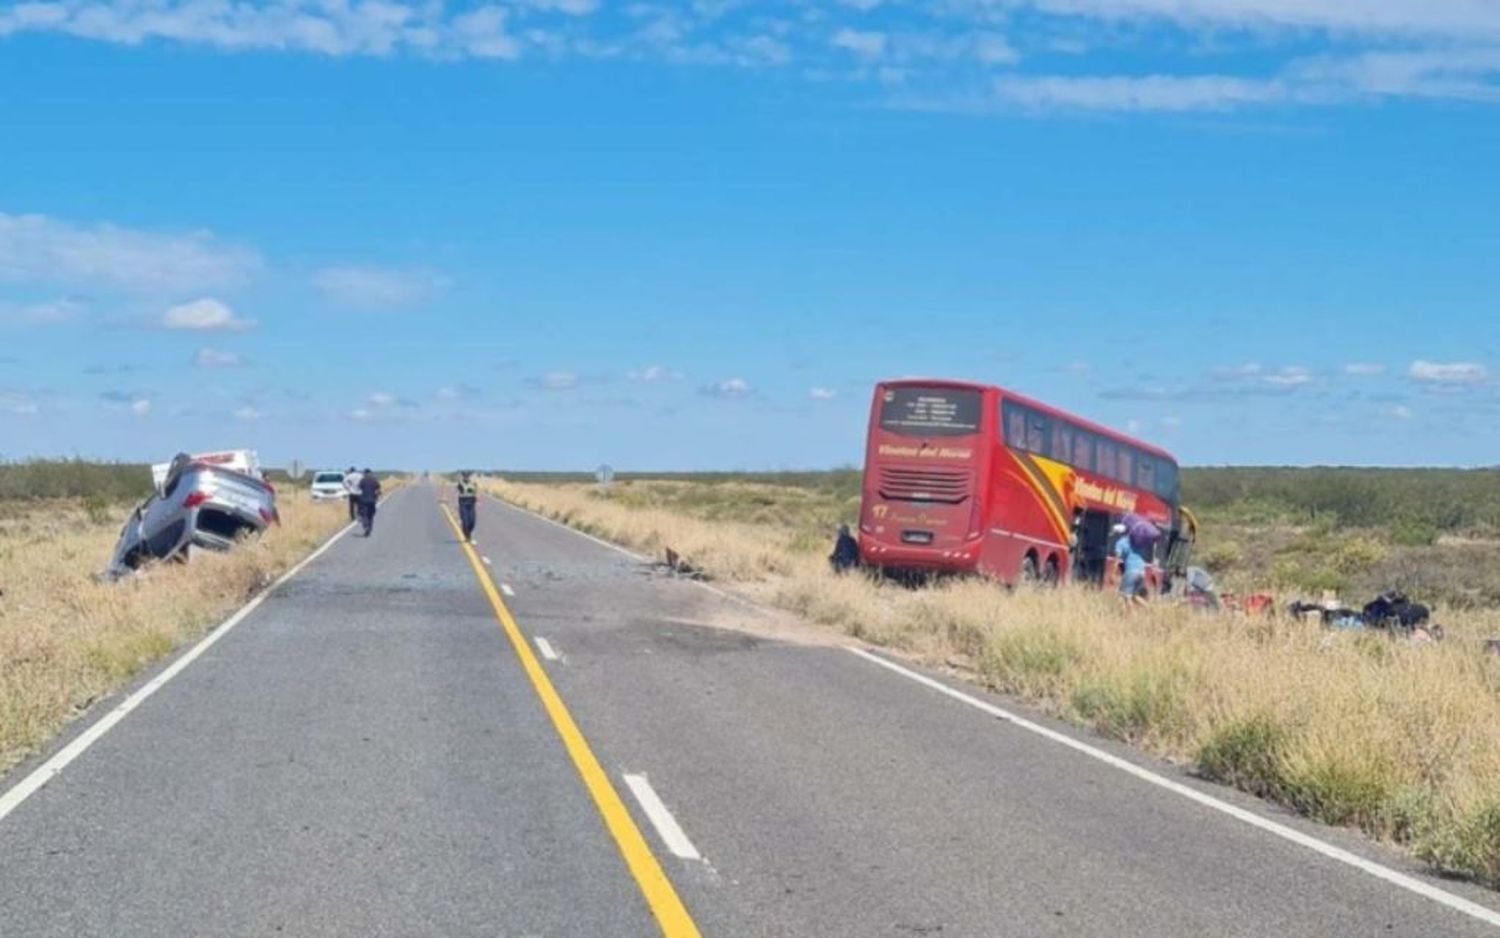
(928, 412)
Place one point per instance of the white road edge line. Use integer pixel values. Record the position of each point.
(505, 588)
(1394, 877)
(44, 773)
(545, 647)
(666, 825)
(487, 561)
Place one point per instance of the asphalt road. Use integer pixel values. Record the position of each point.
(367, 754)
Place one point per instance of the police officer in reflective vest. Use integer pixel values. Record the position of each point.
(468, 503)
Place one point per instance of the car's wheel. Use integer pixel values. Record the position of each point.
(1051, 575)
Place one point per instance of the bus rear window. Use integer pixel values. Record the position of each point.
(929, 411)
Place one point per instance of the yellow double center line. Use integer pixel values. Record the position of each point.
(663, 900)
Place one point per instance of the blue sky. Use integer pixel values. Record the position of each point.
(555, 233)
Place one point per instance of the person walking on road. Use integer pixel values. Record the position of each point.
(369, 496)
(468, 504)
(351, 488)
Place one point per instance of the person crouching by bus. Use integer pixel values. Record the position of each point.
(845, 556)
(1133, 567)
(468, 504)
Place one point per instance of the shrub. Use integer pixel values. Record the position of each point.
(1018, 658)
(1222, 556)
(1148, 702)
(1340, 789)
(1471, 846)
(1246, 753)
(1409, 532)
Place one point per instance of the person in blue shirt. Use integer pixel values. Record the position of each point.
(1133, 574)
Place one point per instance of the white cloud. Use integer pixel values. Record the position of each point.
(373, 27)
(204, 315)
(1462, 74)
(1459, 19)
(39, 249)
(1171, 422)
(1292, 376)
(137, 402)
(945, 55)
(1363, 369)
(557, 381)
(247, 413)
(653, 373)
(570, 7)
(18, 404)
(1253, 373)
(728, 388)
(458, 392)
(381, 399)
(1401, 412)
(1135, 93)
(1465, 73)
(864, 43)
(48, 313)
(481, 33)
(215, 358)
(1449, 373)
(368, 287)
(995, 49)
(820, 393)
(361, 413)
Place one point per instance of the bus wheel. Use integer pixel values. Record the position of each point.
(1030, 575)
(1052, 575)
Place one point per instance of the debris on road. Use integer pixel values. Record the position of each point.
(676, 565)
(209, 500)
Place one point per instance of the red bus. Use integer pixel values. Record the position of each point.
(971, 478)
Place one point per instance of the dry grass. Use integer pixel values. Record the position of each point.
(1402, 741)
(65, 640)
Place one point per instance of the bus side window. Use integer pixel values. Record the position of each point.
(1036, 433)
(1062, 441)
(1015, 426)
(1125, 466)
(1166, 481)
(1083, 450)
(1145, 472)
(1104, 458)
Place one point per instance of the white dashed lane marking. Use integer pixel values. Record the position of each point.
(545, 647)
(666, 825)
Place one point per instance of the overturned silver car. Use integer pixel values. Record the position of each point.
(209, 501)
